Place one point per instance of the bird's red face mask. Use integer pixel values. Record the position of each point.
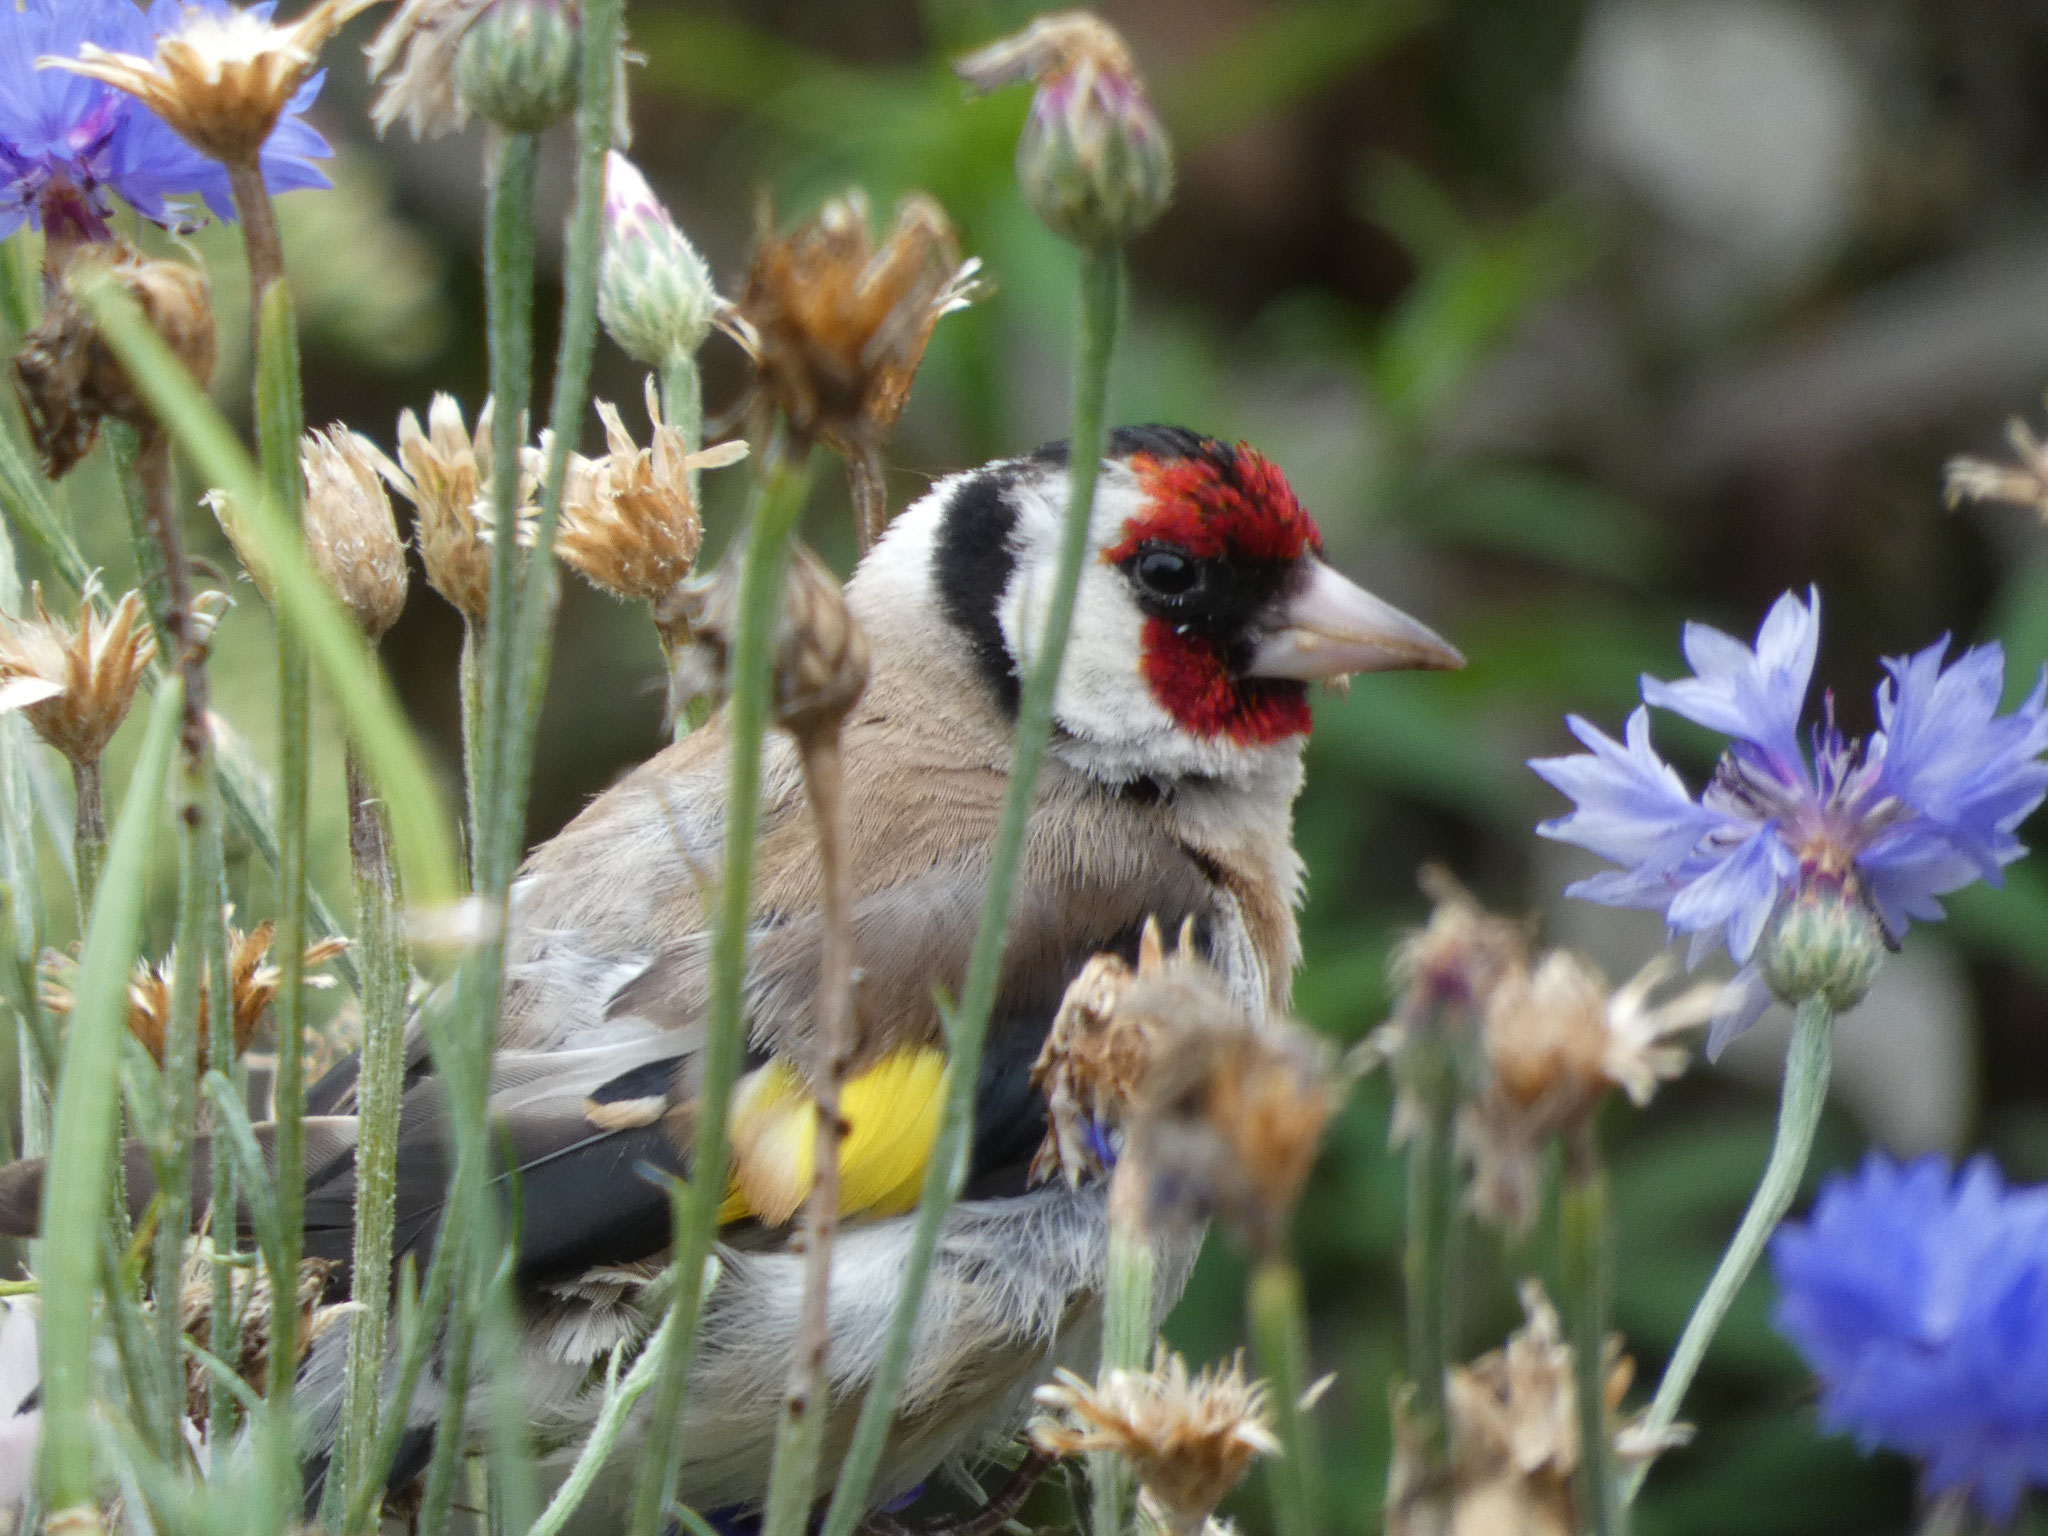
(1241, 613)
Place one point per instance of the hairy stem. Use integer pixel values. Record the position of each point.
(1429, 1073)
(258, 218)
(1803, 1097)
(1588, 1277)
(1279, 1330)
(88, 833)
(778, 502)
(1127, 1333)
(870, 493)
(793, 1478)
(1101, 303)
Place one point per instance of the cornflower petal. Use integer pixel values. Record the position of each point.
(1756, 695)
(1632, 806)
(1737, 893)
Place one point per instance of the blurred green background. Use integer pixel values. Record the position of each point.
(1568, 322)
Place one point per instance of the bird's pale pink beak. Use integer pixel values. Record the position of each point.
(1332, 627)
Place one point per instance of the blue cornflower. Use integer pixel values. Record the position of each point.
(1921, 1303)
(67, 142)
(1927, 805)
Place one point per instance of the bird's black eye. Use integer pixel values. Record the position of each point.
(1167, 573)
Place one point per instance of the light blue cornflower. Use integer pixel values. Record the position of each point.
(1929, 804)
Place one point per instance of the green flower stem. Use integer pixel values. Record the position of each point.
(1101, 304)
(1429, 1074)
(1279, 1330)
(81, 1163)
(422, 832)
(1805, 1093)
(385, 976)
(1127, 1333)
(469, 677)
(1587, 1265)
(619, 1398)
(777, 504)
(682, 407)
(279, 424)
(88, 833)
(221, 1327)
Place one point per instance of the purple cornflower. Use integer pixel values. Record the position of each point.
(1927, 805)
(68, 142)
(1920, 1300)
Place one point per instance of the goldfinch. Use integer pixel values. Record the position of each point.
(1204, 613)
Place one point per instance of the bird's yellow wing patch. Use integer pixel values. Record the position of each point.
(892, 1118)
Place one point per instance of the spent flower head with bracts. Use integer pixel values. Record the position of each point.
(231, 83)
(837, 326)
(519, 64)
(1920, 1299)
(1093, 160)
(69, 144)
(75, 683)
(1189, 1439)
(654, 292)
(68, 378)
(445, 472)
(350, 532)
(629, 524)
(1801, 862)
(2022, 483)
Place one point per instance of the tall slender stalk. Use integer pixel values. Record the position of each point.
(377, 1104)
(1429, 1074)
(83, 1136)
(1127, 1333)
(88, 833)
(800, 1438)
(1803, 1096)
(1586, 1264)
(1279, 1333)
(1101, 305)
(777, 503)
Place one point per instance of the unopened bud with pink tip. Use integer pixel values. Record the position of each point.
(1093, 160)
(654, 292)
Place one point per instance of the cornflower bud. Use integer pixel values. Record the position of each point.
(1824, 942)
(67, 376)
(350, 532)
(1190, 1440)
(224, 77)
(821, 654)
(654, 293)
(519, 63)
(75, 685)
(1093, 160)
(445, 472)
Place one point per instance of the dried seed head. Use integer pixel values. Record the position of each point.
(654, 292)
(1555, 1041)
(629, 524)
(1457, 959)
(2020, 484)
(1093, 160)
(839, 325)
(414, 57)
(1097, 1051)
(446, 474)
(350, 532)
(1189, 1440)
(224, 77)
(821, 655)
(1515, 1436)
(1229, 1115)
(68, 378)
(517, 66)
(75, 685)
(252, 986)
(251, 1305)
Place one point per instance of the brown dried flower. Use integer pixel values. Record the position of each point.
(1556, 1040)
(1230, 1113)
(1514, 1437)
(446, 474)
(75, 685)
(252, 984)
(350, 532)
(1188, 1439)
(1096, 1054)
(629, 523)
(68, 378)
(250, 1299)
(839, 326)
(414, 56)
(222, 79)
(821, 654)
(2022, 484)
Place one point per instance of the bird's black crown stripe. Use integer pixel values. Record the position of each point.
(1160, 441)
(972, 567)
